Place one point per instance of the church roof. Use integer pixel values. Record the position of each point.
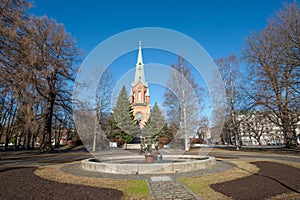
(139, 69)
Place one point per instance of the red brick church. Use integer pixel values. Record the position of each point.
(139, 94)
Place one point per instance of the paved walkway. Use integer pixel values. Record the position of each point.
(164, 187)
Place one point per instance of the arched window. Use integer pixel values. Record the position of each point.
(139, 96)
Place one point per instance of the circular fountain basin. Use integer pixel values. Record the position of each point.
(165, 164)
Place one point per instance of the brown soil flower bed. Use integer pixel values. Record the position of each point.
(271, 180)
(22, 183)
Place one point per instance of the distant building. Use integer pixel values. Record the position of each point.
(139, 93)
(256, 128)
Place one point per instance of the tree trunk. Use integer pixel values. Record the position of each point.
(95, 135)
(259, 142)
(27, 146)
(47, 137)
(32, 141)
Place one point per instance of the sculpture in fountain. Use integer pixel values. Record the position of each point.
(146, 148)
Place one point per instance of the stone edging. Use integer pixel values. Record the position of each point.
(75, 169)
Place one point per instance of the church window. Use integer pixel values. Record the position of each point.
(139, 96)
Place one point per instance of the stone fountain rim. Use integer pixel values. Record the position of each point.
(191, 164)
(141, 156)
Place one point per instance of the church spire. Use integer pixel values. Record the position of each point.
(139, 70)
(139, 93)
(140, 56)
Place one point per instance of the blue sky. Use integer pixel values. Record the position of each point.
(220, 26)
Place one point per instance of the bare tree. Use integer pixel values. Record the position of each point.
(36, 73)
(13, 58)
(229, 70)
(103, 107)
(53, 68)
(273, 57)
(12, 22)
(103, 96)
(182, 99)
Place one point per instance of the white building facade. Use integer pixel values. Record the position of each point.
(257, 129)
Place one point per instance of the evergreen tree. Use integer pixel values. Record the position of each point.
(156, 125)
(173, 130)
(125, 126)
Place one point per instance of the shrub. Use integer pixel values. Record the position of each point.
(163, 141)
(120, 142)
(74, 142)
(197, 141)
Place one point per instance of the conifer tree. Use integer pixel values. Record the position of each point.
(123, 116)
(156, 124)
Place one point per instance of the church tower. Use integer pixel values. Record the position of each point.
(139, 94)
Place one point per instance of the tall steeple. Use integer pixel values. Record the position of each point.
(139, 94)
(139, 68)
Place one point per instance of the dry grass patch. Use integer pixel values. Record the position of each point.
(132, 189)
